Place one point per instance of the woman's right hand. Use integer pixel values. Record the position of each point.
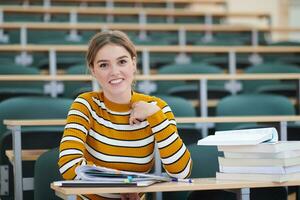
(141, 110)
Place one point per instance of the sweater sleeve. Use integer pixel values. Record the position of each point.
(72, 146)
(175, 157)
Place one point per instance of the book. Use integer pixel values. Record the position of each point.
(284, 154)
(96, 176)
(98, 173)
(258, 177)
(260, 170)
(241, 137)
(280, 146)
(81, 183)
(240, 162)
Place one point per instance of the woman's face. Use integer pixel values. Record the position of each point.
(114, 70)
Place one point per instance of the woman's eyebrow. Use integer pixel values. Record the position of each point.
(99, 61)
(121, 57)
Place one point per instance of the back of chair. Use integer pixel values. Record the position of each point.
(74, 88)
(32, 137)
(192, 68)
(252, 105)
(19, 88)
(183, 108)
(269, 67)
(45, 172)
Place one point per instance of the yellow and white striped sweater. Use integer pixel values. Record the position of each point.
(98, 133)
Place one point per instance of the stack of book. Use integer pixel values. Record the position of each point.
(277, 162)
(249, 155)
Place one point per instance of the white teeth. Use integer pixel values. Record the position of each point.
(116, 81)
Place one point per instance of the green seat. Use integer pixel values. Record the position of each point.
(183, 108)
(188, 132)
(63, 60)
(269, 86)
(205, 165)
(46, 164)
(285, 43)
(20, 17)
(222, 42)
(190, 89)
(37, 137)
(222, 60)
(158, 59)
(252, 105)
(73, 88)
(156, 19)
(45, 36)
(150, 41)
(19, 88)
(255, 105)
(243, 37)
(189, 20)
(126, 19)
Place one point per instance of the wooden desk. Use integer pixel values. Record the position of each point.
(15, 127)
(180, 28)
(202, 78)
(27, 155)
(199, 184)
(146, 51)
(129, 11)
(209, 2)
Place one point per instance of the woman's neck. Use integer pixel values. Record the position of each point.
(119, 99)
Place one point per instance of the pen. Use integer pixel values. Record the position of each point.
(188, 180)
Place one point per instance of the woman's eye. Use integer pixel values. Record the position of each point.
(103, 65)
(122, 62)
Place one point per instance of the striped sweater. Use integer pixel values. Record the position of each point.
(98, 133)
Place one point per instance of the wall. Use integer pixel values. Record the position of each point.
(294, 16)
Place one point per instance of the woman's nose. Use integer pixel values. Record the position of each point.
(115, 69)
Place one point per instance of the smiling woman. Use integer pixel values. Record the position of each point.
(117, 127)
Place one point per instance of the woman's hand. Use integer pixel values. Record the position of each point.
(130, 196)
(141, 110)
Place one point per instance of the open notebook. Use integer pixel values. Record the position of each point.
(96, 176)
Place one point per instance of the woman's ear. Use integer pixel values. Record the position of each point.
(91, 68)
(134, 63)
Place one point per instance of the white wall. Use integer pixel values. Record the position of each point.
(284, 13)
(269, 6)
(294, 17)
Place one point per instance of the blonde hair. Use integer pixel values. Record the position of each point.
(108, 37)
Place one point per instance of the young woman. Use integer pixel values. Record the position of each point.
(117, 127)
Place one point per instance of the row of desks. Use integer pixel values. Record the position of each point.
(147, 50)
(198, 184)
(210, 2)
(142, 28)
(201, 78)
(129, 11)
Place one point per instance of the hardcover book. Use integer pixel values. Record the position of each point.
(280, 146)
(241, 137)
(257, 177)
(260, 170)
(259, 162)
